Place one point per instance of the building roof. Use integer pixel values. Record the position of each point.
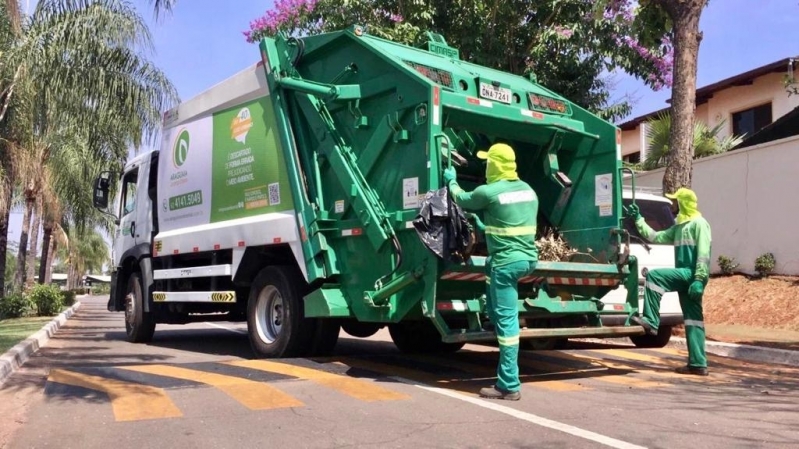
(785, 126)
(705, 93)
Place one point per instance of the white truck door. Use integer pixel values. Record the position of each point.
(125, 239)
(143, 216)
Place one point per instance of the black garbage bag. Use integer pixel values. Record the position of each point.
(443, 227)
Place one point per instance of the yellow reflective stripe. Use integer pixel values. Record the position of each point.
(512, 231)
(456, 190)
(488, 280)
(508, 341)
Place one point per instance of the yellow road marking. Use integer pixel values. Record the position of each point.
(356, 388)
(253, 395)
(129, 401)
(619, 379)
(489, 371)
(647, 370)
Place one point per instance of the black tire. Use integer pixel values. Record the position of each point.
(544, 344)
(360, 329)
(139, 325)
(325, 337)
(276, 325)
(420, 337)
(653, 341)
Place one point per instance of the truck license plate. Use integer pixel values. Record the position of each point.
(491, 92)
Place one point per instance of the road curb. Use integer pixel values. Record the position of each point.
(21, 352)
(747, 352)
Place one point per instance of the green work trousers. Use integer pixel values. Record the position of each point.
(661, 281)
(503, 310)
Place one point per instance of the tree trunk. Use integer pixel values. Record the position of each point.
(5, 215)
(19, 279)
(47, 242)
(684, 15)
(48, 275)
(33, 250)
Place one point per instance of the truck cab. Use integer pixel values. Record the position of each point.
(656, 210)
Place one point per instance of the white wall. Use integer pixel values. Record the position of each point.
(751, 199)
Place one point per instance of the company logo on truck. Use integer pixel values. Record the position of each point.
(241, 125)
(181, 149)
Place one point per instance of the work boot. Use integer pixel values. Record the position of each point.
(695, 370)
(642, 322)
(495, 393)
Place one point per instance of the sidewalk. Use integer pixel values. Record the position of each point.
(750, 335)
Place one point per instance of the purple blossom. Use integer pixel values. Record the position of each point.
(564, 32)
(285, 15)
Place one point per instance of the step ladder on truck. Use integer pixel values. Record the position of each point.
(285, 197)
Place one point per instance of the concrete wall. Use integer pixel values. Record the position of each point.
(750, 197)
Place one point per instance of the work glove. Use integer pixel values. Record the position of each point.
(696, 290)
(633, 211)
(477, 222)
(449, 175)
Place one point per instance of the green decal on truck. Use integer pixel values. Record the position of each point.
(186, 200)
(248, 172)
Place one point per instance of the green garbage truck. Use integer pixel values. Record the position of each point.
(285, 196)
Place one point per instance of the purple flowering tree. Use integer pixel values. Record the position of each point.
(573, 46)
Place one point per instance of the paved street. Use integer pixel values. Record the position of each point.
(197, 386)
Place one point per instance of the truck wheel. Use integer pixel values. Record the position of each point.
(420, 337)
(359, 329)
(653, 341)
(544, 344)
(325, 337)
(276, 324)
(139, 325)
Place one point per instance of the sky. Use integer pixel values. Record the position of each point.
(201, 44)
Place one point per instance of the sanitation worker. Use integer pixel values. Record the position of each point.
(510, 208)
(691, 239)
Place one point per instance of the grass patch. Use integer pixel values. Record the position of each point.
(14, 330)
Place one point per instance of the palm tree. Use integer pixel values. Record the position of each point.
(74, 70)
(706, 141)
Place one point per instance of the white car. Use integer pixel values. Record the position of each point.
(656, 210)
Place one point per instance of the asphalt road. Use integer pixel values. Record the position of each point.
(197, 386)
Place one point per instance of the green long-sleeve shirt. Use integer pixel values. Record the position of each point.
(510, 212)
(692, 244)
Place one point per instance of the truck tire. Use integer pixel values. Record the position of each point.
(360, 329)
(325, 337)
(139, 325)
(276, 325)
(653, 341)
(420, 337)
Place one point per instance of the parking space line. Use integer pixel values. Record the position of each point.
(251, 394)
(356, 388)
(129, 401)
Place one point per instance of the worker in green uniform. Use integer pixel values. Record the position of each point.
(510, 208)
(691, 239)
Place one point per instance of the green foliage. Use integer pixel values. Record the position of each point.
(15, 305)
(68, 298)
(706, 141)
(47, 299)
(765, 264)
(727, 265)
(569, 44)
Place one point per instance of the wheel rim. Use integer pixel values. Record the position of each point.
(269, 314)
(130, 310)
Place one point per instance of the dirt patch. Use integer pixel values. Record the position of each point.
(740, 300)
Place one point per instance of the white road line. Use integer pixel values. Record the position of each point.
(237, 331)
(529, 417)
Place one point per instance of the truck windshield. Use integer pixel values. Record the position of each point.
(656, 213)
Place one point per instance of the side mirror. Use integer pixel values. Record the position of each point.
(101, 188)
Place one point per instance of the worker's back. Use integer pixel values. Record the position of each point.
(510, 220)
